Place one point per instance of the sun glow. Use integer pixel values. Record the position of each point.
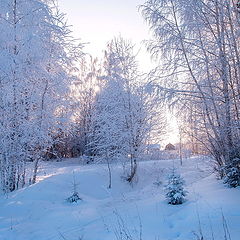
(172, 135)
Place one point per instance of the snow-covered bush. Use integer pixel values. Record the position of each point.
(175, 193)
(232, 173)
(73, 198)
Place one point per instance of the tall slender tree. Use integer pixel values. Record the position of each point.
(35, 46)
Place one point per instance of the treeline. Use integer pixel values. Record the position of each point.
(57, 102)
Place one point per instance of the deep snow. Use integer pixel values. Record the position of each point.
(40, 211)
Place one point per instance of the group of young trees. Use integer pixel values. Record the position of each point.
(36, 55)
(198, 44)
(115, 117)
(125, 115)
(55, 102)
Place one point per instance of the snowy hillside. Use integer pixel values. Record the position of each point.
(140, 211)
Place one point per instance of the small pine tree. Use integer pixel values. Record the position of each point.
(175, 193)
(75, 196)
(232, 173)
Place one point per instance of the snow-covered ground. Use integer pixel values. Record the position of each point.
(40, 212)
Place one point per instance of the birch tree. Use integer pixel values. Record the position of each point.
(125, 113)
(35, 46)
(198, 44)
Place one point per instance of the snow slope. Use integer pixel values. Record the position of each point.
(40, 212)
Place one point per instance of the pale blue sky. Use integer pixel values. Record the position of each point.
(98, 21)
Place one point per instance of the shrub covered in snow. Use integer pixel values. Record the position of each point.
(175, 192)
(73, 198)
(232, 173)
